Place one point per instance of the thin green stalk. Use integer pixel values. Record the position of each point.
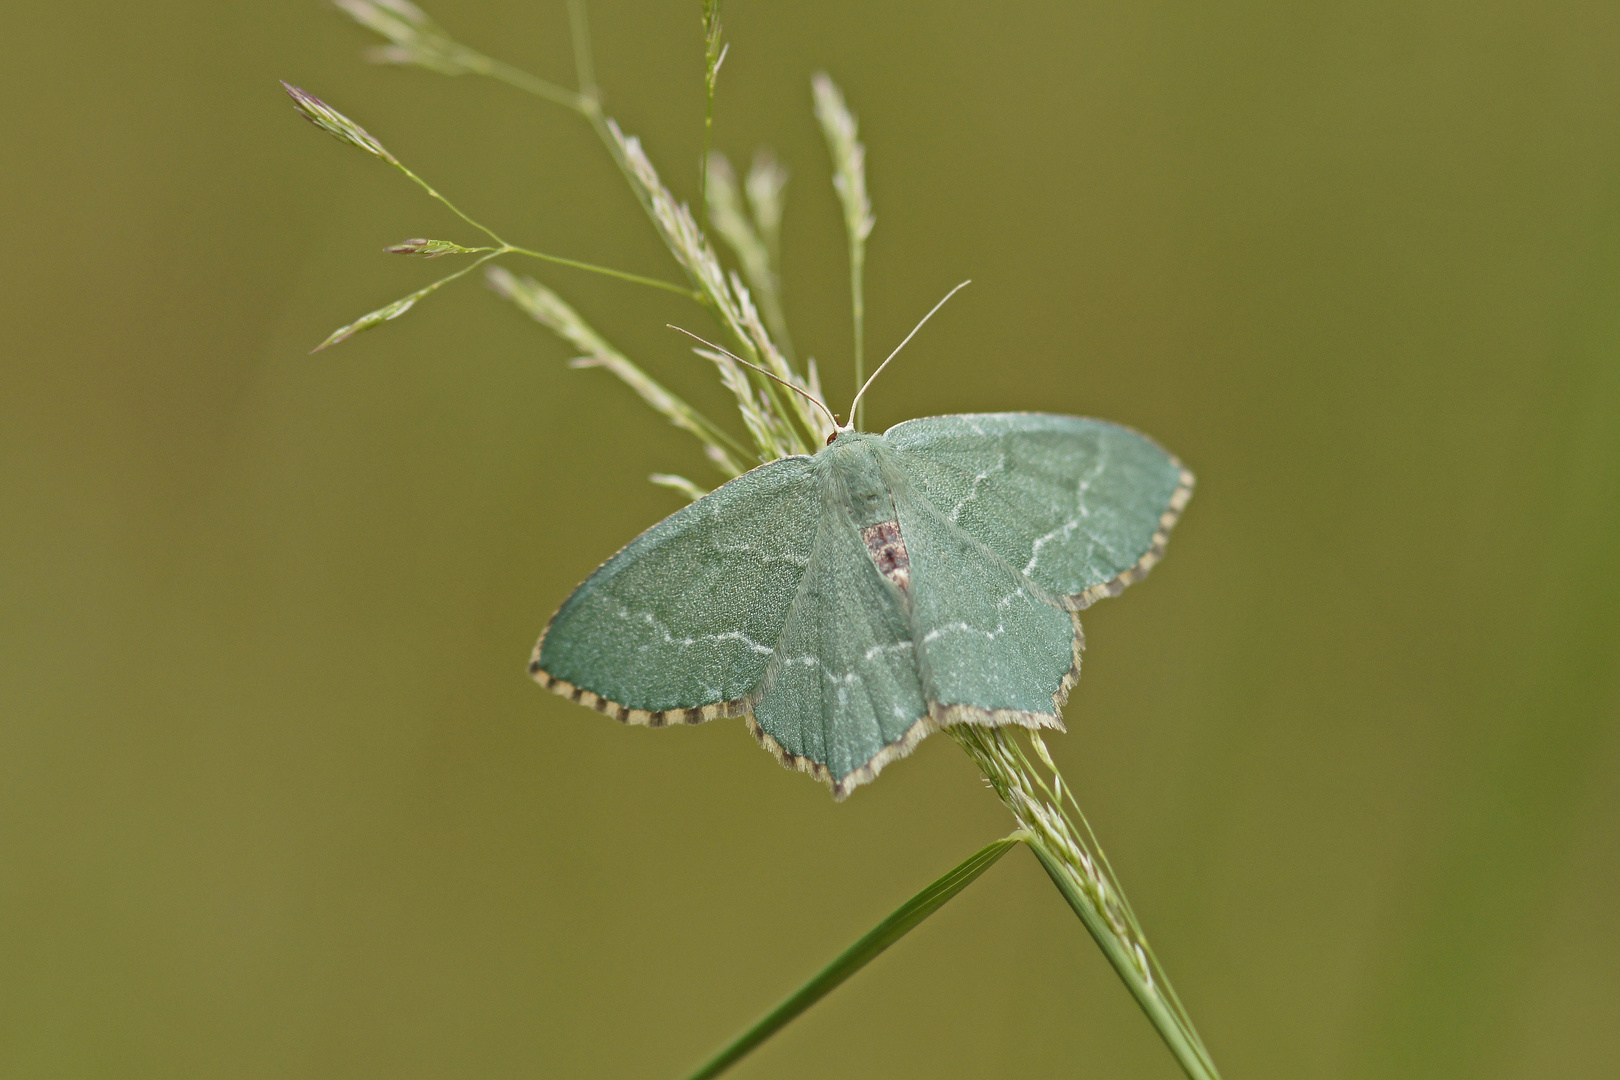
(714, 54)
(667, 286)
(452, 207)
(522, 80)
(863, 952)
(1066, 792)
(857, 300)
(579, 32)
(1076, 866)
(506, 247)
(1183, 1043)
(588, 104)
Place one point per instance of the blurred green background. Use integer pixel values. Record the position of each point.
(277, 799)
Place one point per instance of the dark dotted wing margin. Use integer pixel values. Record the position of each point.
(1081, 507)
(678, 626)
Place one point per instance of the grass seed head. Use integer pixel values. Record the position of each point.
(334, 123)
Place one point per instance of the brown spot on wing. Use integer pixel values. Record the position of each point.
(887, 547)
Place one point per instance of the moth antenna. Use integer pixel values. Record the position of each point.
(811, 398)
(902, 345)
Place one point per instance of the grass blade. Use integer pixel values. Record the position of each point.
(858, 955)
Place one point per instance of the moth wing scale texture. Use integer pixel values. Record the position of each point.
(680, 624)
(1081, 507)
(841, 697)
(991, 647)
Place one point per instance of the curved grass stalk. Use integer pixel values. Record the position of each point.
(1069, 853)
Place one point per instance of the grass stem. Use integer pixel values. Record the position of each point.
(1071, 857)
(667, 286)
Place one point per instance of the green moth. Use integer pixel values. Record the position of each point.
(847, 604)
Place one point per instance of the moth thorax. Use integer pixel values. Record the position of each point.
(864, 486)
(871, 504)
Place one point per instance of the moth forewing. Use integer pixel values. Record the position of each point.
(849, 603)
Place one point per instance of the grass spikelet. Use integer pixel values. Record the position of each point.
(416, 40)
(730, 219)
(424, 248)
(714, 50)
(334, 123)
(766, 180)
(389, 312)
(813, 419)
(551, 311)
(371, 318)
(849, 180)
(848, 155)
(746, 236)
(678, 483)
(756, 410)
(679, 230)
(691, 248)
(1069, 853)
(714, 54)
